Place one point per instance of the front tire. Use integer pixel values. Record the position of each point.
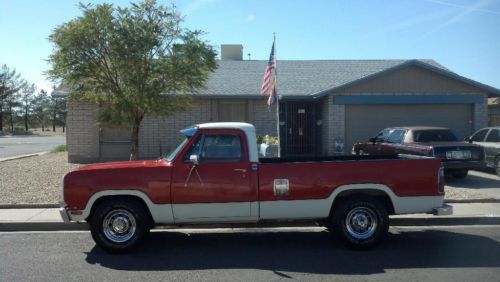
(497, 166)
(360, 222)
(119, 225)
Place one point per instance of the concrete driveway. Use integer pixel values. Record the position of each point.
(11, 146)
(484, 182)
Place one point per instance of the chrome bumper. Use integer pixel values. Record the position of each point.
(64, 214)
(445, 209)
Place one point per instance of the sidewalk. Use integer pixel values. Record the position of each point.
(48, 219)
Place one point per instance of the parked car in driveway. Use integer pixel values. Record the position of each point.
(489, 139)
(440, 142)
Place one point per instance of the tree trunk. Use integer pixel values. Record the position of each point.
(11, 121)
(26, 119)
(134, 148)
(1, 119)
(54, 120)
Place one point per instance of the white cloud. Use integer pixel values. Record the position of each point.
(195, 5)
(250, 18)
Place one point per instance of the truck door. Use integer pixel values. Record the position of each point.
(220, 187)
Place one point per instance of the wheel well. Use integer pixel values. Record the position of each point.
(104, 199)
(381, 196)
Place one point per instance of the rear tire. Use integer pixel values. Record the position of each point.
(119, 225)
(360, 222)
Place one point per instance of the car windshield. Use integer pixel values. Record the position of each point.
(433, 136)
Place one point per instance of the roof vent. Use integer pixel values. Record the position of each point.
(231, 52)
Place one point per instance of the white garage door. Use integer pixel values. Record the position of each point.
(365, 121)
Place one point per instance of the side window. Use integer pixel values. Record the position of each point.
(221, 148)
(382, 135)
(494, 136)
(194, 149)
(396, 136)
(479, 136)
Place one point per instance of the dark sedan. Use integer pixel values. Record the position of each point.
(489, 139)
(458, 157)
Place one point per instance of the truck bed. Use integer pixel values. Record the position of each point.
(332, 158)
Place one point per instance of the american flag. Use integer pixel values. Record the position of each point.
(273, 95)
(269, 71)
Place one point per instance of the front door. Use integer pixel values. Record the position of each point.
(301, 130)
(220, 187)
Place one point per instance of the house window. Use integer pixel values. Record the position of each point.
(233, 111)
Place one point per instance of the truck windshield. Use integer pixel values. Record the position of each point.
(188, 132)
(173, 153)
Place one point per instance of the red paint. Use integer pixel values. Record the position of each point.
(164, 182)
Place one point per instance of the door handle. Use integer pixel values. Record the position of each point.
(240, 170)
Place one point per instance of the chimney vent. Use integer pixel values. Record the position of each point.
(231, 52)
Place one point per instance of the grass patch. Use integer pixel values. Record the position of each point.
(58, 149)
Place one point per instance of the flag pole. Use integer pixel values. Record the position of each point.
(277, 98)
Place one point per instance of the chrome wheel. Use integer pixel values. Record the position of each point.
(361, 223)
(119, 226)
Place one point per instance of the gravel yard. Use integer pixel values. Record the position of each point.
(37, 180)
(33, 180)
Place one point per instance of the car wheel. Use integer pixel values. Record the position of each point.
(360, 222)
(118, 226)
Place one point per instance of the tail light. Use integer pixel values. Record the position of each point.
(441, 180)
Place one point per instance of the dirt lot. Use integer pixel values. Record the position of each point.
(37, 180)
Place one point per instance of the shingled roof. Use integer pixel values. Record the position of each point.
(307, 78)
(295, 78)
(310, 79)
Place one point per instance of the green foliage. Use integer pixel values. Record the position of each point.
(58, 149)
(133, 61)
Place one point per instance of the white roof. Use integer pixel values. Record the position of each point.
(233, 125)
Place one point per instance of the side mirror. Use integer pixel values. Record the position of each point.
(373, 140)
(468, 139)
(195, 159)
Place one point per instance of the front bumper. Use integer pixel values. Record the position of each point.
(445, 209)
(64, 214)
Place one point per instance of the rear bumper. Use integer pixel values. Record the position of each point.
(445, 209)
(463, 164)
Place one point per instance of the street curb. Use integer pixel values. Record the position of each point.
(446, 220)
(41, 226)
(403, 221)
(29, 206)
(23, 156)
(472, 201)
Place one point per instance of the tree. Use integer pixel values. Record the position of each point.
(41, 108)
(58, 107)
(27, 102)
(10, 83)
(133, 61)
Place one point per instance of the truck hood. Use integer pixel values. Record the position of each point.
(125, 164)
(151, 178)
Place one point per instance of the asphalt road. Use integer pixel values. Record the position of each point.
(21, 145)
(408, 254)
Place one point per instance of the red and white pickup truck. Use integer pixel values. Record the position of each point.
(215, 176)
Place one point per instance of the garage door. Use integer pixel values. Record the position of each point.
(365, 121)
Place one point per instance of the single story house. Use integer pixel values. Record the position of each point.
(494, 111)
(325, 106)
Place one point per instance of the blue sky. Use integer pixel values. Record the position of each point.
(462, 35)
